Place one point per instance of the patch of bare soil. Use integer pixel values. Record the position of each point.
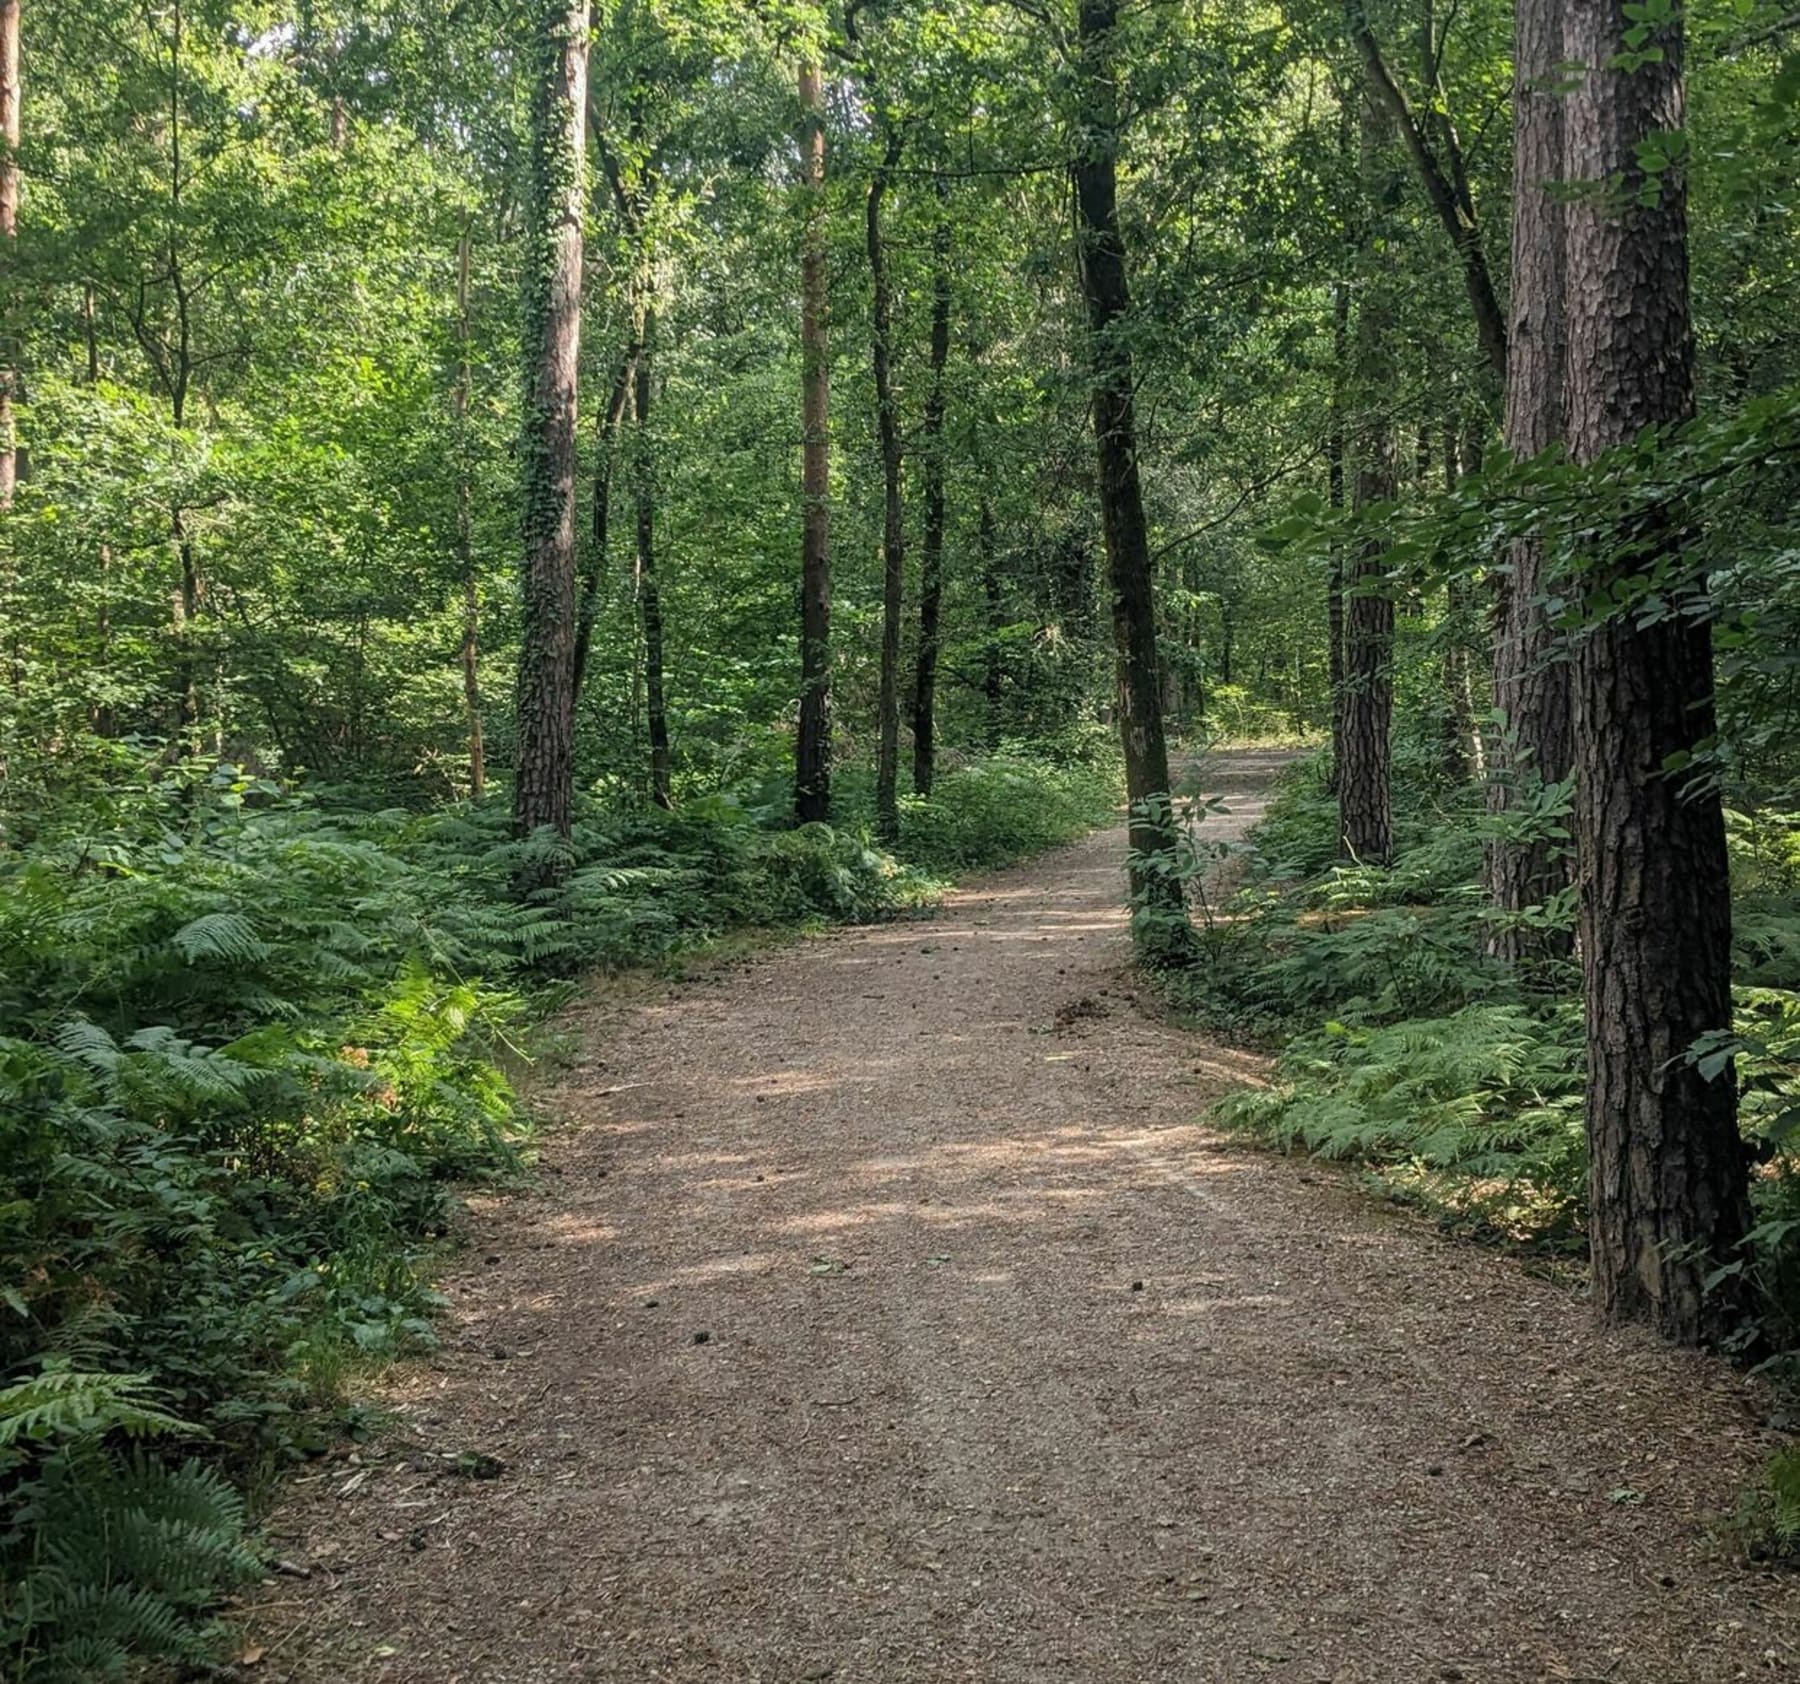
(888, 1318)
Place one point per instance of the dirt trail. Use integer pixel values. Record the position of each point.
(824, 1355)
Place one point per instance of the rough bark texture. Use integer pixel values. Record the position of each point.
(10, 131)
(1531, 672)
(812, 749)
(545, 768)
(1100, 249)
(649, 595)
(1365, 804)
(1667, 1181)
(931, 552)
(893, 522)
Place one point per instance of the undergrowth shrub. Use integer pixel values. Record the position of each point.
(247, 1046)
(1455, 1083)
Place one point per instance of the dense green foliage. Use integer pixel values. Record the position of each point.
(271, 956)
(1455, 1082)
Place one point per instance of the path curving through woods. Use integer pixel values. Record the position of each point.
(889, 1318)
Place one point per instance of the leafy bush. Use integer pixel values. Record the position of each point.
(1003, 808)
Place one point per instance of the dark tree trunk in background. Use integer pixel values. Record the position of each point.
(931, 554)
(593, 581)
(1531, 678)
(545, 773)
(1668, 1175)
(1100, 252)
(1337, 472)
(893, 518)
(993, 673)
(1464, 748)
(465, 546)
(812, 749)
(656, 712)
(1365, 807)
(1445, 181)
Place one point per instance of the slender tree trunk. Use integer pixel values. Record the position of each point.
(1100, 249)
(1365, 806)
(656, 712)
(465, 548)
(993, 673)
(1531, 678)
(1337, 473)
(812, 752)
(893, 525)
(1668, 1198)
(931, 554)
(593, 581)
(1446, 187)
(543, 790)
(10, 134)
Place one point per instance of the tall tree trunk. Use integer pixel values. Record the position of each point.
(1531, 679)
(1463, 747)
(1337, 474)
(593, 581)
(931, 553)
(1667, 1190)
(11, 89)
(993, 672)
(465, 548)
(812, 749)
(656, 712)
(1100, 251)
(893, 523)
(1365, 803)
(543, 790)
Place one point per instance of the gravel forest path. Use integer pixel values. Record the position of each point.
(889, 1317)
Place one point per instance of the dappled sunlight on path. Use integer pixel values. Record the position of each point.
(889, 1317)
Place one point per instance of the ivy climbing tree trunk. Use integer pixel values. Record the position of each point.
(1667, 1190)
(1530, 674)
(812, 747)
(893, 521)
(544, 776)
(1365, 797)
(1157, 892)
(931, 549)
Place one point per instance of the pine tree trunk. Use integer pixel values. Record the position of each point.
(543, 788)
(931, 554)
(812, 752)
(1365, 810)
(893, 523)
(1100, 251)
(1531, 673)
(656, 710)
(1668, 1199)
